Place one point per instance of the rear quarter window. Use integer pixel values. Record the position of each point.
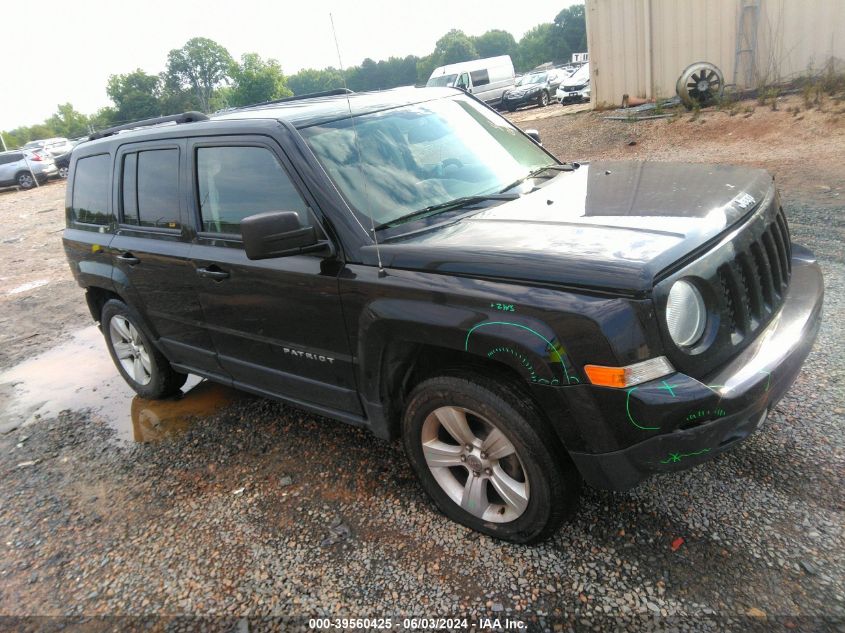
(91, 181)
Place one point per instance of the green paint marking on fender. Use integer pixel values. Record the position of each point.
(676, 457)
(768, 376)
(631, 418)
(668, 388)
(523, 327)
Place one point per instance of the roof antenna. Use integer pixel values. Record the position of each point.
(381, 271)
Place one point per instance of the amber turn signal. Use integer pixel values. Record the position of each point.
(621, 377)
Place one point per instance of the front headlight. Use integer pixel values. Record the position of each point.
(685, 314)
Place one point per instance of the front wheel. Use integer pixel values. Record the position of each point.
(487, 458)
(63, 173)
(544, 99)
(142, 366)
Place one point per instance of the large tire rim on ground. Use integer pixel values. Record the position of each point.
(475, 464)
(700, 84)
(487, 457)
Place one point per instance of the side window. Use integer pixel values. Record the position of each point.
(91, 190)
(463, 81)
(480, 77)
(129, 189)
(236, 182)
(158, 188)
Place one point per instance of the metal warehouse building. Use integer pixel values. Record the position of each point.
(640, 47)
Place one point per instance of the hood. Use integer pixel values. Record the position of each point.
(606, 225)
(516, 90)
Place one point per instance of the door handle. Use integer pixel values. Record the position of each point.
(213, 273)
(128, 258)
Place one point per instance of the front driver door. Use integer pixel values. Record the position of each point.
(276, 323)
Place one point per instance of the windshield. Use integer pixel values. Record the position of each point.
(533, 78)
(580, 76)
(443, 81)
(422, 155)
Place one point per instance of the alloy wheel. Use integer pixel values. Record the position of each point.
(475, 464)
(130, 349)
(26, 181)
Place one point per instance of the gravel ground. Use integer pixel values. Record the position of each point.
(261, 510)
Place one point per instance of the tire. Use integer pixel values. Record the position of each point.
(523, 494)
(63, 173)
(543, 100)
(25, 180)
(142, 366)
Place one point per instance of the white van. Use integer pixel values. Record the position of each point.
(487, 79)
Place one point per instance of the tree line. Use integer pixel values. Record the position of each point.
(203, 76)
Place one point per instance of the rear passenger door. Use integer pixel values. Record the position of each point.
(152, 251)
(276, 323)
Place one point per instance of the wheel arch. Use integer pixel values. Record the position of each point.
(395, 354)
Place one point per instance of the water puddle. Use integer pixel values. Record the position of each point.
(79, 374)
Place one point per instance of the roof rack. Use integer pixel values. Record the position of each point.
(310, 95)
(185, 117)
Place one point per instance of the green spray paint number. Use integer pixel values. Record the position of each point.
(503, 307)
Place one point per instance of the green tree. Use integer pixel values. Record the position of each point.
(68, 122)
(201, 65)
(535, 47)
(454, 47)
(255, 81)
(571, 31)
(312, 80)
(135, 95)
(494, 43)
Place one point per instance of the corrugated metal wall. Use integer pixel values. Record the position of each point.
(640, 47)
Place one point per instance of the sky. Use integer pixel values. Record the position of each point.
(66, 52)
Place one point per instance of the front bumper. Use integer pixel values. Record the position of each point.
(521, 100)
(740, 394)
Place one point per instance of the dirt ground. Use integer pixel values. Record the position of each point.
(40, 302)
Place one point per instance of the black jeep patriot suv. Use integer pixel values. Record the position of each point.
(411, 262)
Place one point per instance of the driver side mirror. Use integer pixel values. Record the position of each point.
(279, 234)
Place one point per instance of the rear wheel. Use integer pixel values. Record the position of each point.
(487, 459)
(25, 180)
(63, 172)
(142, 366)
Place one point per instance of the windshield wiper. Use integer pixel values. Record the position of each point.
(536, 172)
(446, 206)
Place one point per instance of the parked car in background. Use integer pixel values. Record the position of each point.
(533, 88)
(487, 79)
(26, 168)
(53, 146)
(575, 88)
(63, 164)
